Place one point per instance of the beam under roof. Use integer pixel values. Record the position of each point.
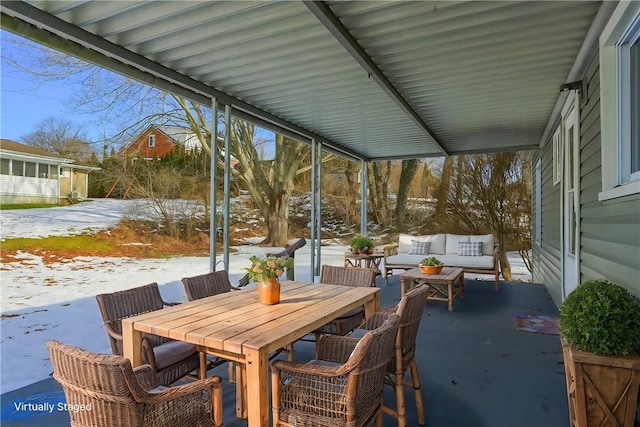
(342, 35)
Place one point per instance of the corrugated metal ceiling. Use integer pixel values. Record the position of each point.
(478, 75)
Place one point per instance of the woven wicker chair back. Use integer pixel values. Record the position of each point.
(347, 276)
(206, 285)
(120, 305)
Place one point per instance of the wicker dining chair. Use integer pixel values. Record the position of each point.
(346, 276)
(171, 359)
(209, 284)
(343, 387)
(108, 392)
(410, 309)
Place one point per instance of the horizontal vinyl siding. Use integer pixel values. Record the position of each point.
(27, 186)
(610, 230)
(546, 256)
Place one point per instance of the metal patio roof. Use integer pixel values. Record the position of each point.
(374, 79)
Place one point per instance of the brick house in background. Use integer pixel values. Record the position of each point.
(158, 140)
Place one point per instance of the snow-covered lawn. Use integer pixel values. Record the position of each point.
(57, 301)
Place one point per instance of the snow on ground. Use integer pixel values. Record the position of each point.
(57, 301)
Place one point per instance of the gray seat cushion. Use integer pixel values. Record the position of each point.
(172, 352)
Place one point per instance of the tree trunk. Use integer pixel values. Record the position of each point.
(408, 172)
(278, 220)
(378, 192)
(442, 193)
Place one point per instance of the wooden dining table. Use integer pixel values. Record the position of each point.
(237, 327)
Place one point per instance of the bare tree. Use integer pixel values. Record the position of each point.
(134, 106)
(490, 195)
(407, 173)
(62, 137)
(379, 192)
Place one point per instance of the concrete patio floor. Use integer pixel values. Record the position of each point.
(476, 369)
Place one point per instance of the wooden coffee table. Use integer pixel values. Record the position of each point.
(444, 286)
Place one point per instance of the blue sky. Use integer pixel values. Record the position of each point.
(26, 101)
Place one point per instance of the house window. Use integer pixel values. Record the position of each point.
(557, 156)
(4, 166)
(30, 169)
(538, 224)
(620, 102)
(43, 170)
(17, 168)
(53, 171)
(634, 105)
(152, 141)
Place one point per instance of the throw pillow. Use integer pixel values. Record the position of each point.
(470, 248)
(419, 248)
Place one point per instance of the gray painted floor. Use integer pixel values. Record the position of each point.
(476, 369)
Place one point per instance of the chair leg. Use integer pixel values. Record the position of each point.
(401, 410)
(379, 418)
(415, 380)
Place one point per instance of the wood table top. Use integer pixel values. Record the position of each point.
(237, 320)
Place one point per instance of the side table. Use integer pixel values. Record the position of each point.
(363, 261)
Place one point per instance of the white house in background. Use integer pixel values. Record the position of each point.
(32, 175)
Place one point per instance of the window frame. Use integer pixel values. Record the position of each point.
(7, 162)
(151, 141)
(615, 102)
(15, 163)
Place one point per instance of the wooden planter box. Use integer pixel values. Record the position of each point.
(601, 390)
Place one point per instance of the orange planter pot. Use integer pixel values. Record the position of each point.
(431, 269)
(269, 291)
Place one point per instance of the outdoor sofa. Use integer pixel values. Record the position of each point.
(473, 253)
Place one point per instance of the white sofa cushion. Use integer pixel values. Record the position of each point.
(453, 241)
(487, 242)
(436, 243)
(484, 261)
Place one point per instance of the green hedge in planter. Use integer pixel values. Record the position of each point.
(601, 317)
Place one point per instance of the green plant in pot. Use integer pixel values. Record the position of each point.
(361, 244)
(431, 265)
(600, 327)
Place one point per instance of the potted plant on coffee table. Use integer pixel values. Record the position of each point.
(600, 328)
(431, 265)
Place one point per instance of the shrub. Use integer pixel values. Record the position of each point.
(431, 261)
(361, 242)
(601, 317)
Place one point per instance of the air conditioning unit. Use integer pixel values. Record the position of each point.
(74, 195)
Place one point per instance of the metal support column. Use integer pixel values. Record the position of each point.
(318, 207)
(227, 182)
(314, 168)
(213, 197)
(364, 181)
